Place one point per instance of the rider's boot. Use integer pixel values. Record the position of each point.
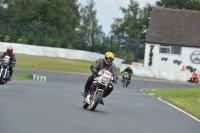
(101, 101)
(10, 75)
(9, 78)
(122, 79)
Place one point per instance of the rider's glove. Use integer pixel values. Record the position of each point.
(94, 71)
(115, 81)
(12, 64)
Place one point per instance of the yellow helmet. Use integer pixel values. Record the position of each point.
(109, 57)
(128, 66)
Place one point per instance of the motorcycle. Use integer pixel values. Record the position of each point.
(125, 79)
(96, 91)
(4, 71)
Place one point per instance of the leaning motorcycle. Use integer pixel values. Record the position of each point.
(125, 79)
(96, 91)
(4, 71)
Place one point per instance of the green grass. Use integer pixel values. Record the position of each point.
(186, 99)
(52, 63)
(24, 76)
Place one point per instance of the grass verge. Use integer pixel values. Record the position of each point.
(24, 76)
(54, 64)
(186, 99)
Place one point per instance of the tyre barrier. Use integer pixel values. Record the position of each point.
(38, 78)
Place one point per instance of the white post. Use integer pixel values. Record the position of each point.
(34, 76)
(43, 78)
(38, 78)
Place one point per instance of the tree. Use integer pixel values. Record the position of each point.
(40, 21)
(89, 29)
(127, 28)
(180, 4)
(144, 24)
(131, 29)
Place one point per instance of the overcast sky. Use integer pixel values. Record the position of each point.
(109, 9)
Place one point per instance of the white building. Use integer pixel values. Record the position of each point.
(173, 40)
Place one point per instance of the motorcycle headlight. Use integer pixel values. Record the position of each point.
(5, 63)
(104, 79)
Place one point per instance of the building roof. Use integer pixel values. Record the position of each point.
(174, 27)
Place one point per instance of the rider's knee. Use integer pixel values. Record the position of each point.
(110, 87)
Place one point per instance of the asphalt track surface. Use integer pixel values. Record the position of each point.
(55, 106)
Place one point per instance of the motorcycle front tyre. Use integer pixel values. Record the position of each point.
(96, 101)
(125, 82)
(1, 78)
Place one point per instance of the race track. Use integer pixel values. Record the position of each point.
(55, 106)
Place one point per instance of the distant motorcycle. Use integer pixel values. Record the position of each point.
(96, 91)
(4, 71)
(125, 79)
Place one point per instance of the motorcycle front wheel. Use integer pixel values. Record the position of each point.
(1, 78)
(125, 82)
(96, 100)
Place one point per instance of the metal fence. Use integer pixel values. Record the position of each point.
(122, 47)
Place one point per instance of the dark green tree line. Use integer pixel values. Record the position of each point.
(180, 4)
(89, 30)
(131, 30)
(67, 24)
(41, 22)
